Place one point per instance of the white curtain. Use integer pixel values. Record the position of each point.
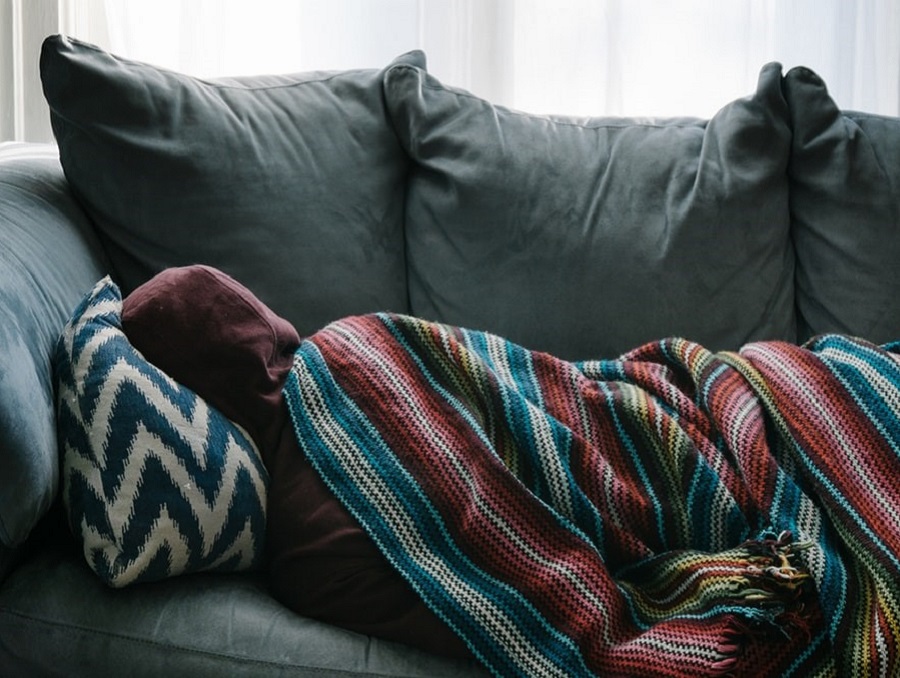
(581, 57)
(23, 23)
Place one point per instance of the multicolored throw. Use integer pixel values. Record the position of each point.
(674, 512)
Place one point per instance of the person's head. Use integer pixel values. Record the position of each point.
(210, 333)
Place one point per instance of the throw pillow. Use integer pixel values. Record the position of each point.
(588, 237)
(292, 184)
(155, 482)
(845, 200)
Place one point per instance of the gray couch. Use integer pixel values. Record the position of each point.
(331, 194)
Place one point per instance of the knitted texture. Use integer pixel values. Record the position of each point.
(673, 512)
(156, 482)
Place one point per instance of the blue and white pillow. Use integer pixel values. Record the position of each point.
(156, 482)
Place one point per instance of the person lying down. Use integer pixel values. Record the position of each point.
(673, 512)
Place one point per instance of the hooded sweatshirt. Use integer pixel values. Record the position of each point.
(210, 333)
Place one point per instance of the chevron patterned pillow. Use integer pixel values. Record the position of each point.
(156, 482)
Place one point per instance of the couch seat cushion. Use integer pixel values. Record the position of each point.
(58, 619)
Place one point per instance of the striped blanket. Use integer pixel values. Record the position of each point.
(674, 512)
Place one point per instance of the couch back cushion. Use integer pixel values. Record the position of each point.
(845, 214)
(586, 237)
(292, 184)
(49, 257)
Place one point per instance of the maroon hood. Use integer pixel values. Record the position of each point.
(210, 333)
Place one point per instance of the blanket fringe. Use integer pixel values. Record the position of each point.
(772, 563)
(775, 581)
(730, 646)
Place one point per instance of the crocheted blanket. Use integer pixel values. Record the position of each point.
(674, 512)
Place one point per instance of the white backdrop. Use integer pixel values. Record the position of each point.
(583, 57)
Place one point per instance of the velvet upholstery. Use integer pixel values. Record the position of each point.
(296, 173)
(49, 259)
(587, 237)
(58, 619)
(845, 214)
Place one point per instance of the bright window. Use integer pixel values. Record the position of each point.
(581, 57)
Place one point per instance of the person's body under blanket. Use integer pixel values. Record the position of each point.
(673, 512)
(210, 333)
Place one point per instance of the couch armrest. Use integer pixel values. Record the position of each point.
(49, 258)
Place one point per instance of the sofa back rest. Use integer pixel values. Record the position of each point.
(845, 214)
(292, 184)
(587, 237)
